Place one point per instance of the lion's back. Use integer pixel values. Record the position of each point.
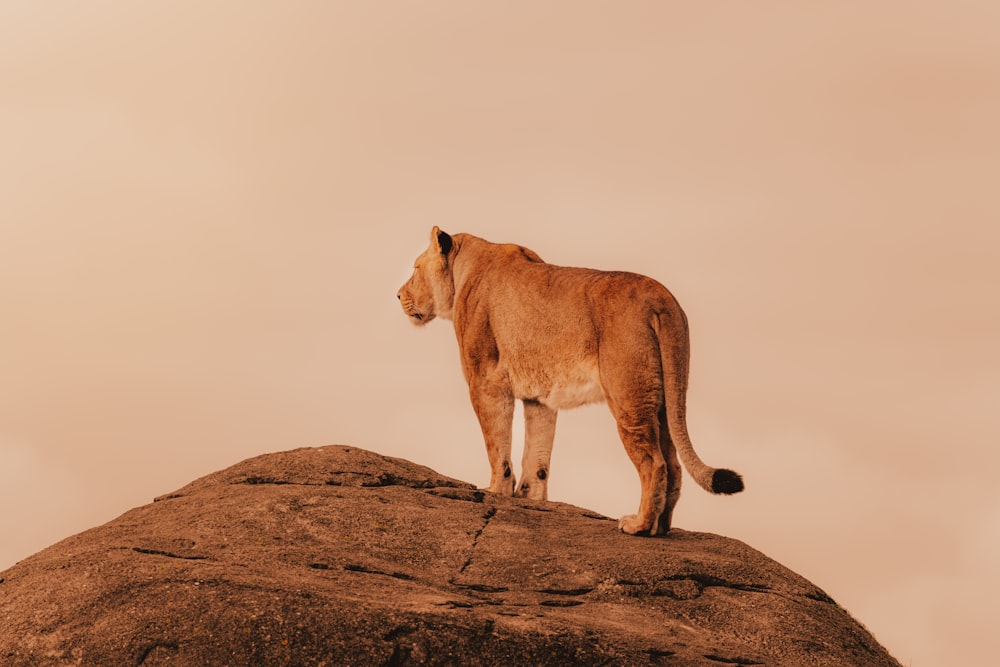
(549, 324)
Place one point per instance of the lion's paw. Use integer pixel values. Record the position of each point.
(631, 525)
(532, 491)
(504, 488)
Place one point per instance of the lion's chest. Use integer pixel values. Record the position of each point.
(558, 387)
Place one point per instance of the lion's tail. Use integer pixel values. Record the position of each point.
(674, 353)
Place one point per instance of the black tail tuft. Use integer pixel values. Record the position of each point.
(726, 481)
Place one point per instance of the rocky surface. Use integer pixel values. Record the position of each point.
(341, 556)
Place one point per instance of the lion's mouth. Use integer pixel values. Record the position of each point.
(419, 318)
(413, 312)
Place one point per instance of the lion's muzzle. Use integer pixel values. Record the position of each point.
(412, 311)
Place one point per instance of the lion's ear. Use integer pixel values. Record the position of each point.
(441, 240)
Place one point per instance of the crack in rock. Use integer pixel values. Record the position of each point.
(490, 513)
(353, 567)
(457, 604)
(561, 603)
(697, 583)
(386, 478)
(158, 552)
(690, 586)
(732, 661)
(566, 591)
(707, 580)
(258, 479)
(817, 595)
(169, 496)
(483, 588)
(405, 651)
(147, 651)
(349, 478)
(467, 495)
(655, 654)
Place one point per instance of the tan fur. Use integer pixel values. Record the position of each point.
(557, 337)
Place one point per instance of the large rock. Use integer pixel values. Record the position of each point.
(340, 556)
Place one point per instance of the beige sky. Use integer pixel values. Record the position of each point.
(206, 210)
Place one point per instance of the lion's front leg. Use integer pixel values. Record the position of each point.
(494, 406)
(539, 433)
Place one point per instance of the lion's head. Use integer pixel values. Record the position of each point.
(430, 291)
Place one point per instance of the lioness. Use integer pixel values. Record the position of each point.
(558, 337)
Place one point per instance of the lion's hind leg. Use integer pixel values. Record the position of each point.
(633, 385)
(642, 445)
(669, 452)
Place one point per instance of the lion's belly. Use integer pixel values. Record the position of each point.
(560, 390)
(564, 396)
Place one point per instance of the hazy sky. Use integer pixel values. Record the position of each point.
(206, 210)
